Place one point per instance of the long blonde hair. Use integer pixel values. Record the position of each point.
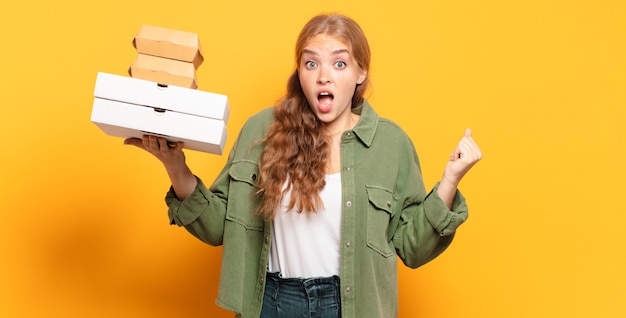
(296, 146)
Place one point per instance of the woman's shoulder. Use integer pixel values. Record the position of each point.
(260, 120)
(383, 126)
(371, 118)
(387, 132)
(266, 113)
(252, 133)
(390, 126)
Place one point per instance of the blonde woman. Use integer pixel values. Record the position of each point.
(319, 194)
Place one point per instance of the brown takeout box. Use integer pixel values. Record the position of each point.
(169, 43)
(164, 71)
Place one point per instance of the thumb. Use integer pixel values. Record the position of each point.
(468, 132)
(133, 141)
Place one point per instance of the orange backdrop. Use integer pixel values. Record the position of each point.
(84, 231)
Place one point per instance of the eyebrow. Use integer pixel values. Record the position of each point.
(336, 52)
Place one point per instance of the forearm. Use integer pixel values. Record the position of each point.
(183, 180)
(446, 191)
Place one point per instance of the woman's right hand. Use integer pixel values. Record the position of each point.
(173, 158)
(169, 153)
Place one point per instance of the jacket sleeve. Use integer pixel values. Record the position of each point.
(426, 227)
(203, 213)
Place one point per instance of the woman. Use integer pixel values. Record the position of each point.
(319, 194)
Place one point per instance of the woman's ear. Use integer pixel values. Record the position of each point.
(362, 77)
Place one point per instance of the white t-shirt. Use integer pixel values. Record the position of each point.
(306, 244)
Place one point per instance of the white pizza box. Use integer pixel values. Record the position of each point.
(129, 120)
(169, 97)
(129, 107)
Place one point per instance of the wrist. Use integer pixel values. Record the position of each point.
(447, 190)
(448, 182)
(176, 172)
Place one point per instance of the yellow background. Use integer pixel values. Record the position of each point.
(84, 231)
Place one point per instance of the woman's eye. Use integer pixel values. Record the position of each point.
(309, 64)
(340, 64)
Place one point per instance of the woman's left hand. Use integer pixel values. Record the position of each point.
(464, 157)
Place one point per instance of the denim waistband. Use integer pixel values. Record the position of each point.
(316, 297)
(302, 281)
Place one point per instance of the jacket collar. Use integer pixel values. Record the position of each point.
(365, 128)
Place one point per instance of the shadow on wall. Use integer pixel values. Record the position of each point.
(97, 263)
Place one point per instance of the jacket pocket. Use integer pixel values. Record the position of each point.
(242, 198)
(379, 213)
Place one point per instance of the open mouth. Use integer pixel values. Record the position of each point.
(325, 98)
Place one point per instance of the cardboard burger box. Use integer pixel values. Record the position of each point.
(131, 107)
(164, 71)
(168, 43)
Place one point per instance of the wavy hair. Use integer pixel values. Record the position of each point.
(296, 145)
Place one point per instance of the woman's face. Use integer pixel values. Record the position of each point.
(328, 75)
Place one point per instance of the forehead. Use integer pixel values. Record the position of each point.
(325, 43)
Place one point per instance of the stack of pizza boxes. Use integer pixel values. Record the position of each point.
(161, 96)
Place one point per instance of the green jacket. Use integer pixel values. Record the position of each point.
(386, 212)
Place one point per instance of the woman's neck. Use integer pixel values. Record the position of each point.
(334, 150)
(336, 128)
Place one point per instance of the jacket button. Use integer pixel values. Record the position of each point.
(388, 204)
(254, 177)
(349, 203)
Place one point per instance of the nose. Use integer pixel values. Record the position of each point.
(323, 76)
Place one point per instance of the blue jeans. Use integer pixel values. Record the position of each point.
(306, 298)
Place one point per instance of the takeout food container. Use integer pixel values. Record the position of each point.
(164, 71)
(131, 107)
(169, 43)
